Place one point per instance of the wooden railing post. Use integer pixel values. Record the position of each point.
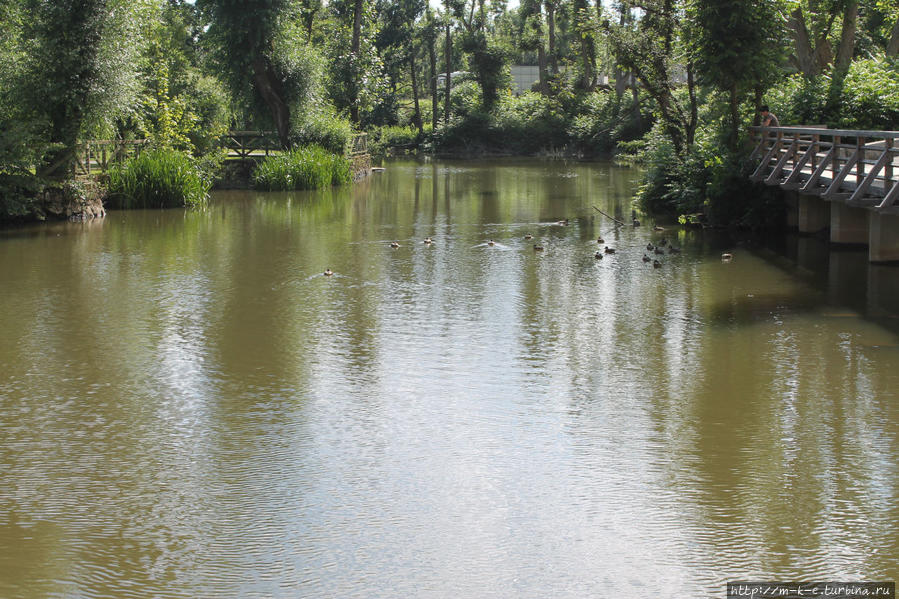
(816, 145)
(860, 167)
(836, 157)
(888, 172)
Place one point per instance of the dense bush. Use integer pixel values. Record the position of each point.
(603, 120)
(383, 139)
(710, 181)
(308, 167)
(158, 178)
(322, 127)
(869, 97)
(866, 98)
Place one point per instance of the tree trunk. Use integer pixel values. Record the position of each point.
(432, 56)
(449, 67)
(416, 118)
(621, 79)
(551, 26)
(804, 57)
(847, 38)
(734, 117)
(541, 69)
(269, 87)
(757, 101)
(354, 49)
(635, 94)
(893, 45)
(694, 105)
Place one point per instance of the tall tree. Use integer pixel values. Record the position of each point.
(584, 31)
(429, 34)
(487, 58)
(247, 33)
(735, 45)
(531, 37)
(80, 69)
(646, 48)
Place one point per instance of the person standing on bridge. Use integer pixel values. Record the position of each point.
(769, 119)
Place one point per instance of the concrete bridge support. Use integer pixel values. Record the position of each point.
(848, 224)
(814, 214)
(883, 238)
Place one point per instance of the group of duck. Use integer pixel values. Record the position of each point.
(658, 249)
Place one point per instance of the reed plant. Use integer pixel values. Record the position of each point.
(308, 167)
(158, 178)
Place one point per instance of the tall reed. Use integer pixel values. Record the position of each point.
(308, 167)
(158, 178)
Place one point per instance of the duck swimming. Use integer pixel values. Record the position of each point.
(491, 242)
(538, 248)
(650, 247)
(646, 258)
(600, 240)
(394, 244)
(727, 257)
(428, 241)
(656, 264)
(609, 250)
(528, 237)
(598, 255)
(328, 272)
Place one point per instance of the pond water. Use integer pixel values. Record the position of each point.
(190, 408)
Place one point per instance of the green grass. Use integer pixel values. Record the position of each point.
(309, 167)
(158, 178)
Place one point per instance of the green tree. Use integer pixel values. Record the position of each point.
(647, 49)
(531, 36)
(585, 37)
(356, 71)
(487, 58)
(80, 71)
(246, 33)
(736, 46)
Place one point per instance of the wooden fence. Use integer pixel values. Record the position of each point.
(99, 154)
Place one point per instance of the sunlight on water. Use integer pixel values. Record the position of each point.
(190, 408)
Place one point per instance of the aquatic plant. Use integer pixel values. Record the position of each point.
(158, 178)
(309, 167)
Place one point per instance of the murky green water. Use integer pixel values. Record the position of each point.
(188, 408)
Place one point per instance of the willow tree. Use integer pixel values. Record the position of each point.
(79, 73)
(247, 32)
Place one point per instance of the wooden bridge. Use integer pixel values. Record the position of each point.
(846, 180)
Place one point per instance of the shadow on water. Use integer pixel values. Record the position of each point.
(755, 308)
(847, 284)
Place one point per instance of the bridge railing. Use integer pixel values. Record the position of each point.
(244, 144)
(858, 167)
(100, 154)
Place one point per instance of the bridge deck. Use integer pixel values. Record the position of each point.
(859, 168)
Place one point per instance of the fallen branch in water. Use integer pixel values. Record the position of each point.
(607, 216)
